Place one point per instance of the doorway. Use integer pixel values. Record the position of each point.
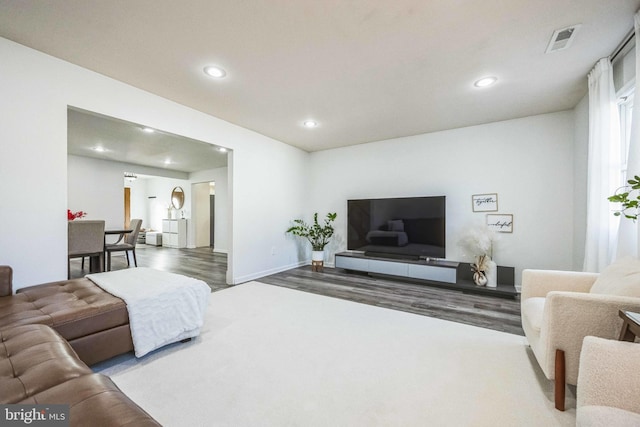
(212, 217)
(127, 207)
(204, 214)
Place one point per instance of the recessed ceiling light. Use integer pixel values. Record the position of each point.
(168, 162)
(310, 124)
(222, 149)
(485, 81)
(148, 130)
(213, 71)
(99, 149)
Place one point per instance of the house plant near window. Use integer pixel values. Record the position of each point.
(317, 234)
(629, 197)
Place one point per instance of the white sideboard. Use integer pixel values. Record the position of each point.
(435, 272)
(174, 233)
(439, 271)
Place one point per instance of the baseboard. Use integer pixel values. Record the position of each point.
(258, 275)
(215, 251)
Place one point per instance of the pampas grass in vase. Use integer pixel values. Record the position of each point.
(478, 241)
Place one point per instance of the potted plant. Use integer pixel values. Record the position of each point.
(629, 197)
(318, 235)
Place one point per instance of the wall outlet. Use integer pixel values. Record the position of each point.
(273, 250)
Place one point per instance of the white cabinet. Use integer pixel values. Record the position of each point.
(174, 233)
(438, 271)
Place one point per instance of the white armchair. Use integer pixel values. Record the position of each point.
(608, 383)
(560, 308)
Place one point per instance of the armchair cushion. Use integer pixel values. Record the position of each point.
(608, 383)
(598, 416)
(620, 278)
(532, 309)
(609, 374)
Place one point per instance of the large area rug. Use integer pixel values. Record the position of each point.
(271, 356)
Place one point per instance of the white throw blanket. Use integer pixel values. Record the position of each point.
(163, 307)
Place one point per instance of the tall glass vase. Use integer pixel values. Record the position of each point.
(492, 273)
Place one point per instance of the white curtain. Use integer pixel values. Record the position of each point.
(628, 235)
(603, 168)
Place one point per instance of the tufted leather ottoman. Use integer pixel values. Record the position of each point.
(37, 366)
(95, 323)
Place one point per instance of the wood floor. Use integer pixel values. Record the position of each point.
(478, 310)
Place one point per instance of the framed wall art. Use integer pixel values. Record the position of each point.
(501, 223)
(485, 202)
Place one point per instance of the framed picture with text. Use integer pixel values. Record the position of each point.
(485, 202)
(501, 223)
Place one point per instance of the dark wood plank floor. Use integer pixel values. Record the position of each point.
(478, 310)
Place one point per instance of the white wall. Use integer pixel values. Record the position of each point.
(36, 91)
(139, 205)
(528, 162)
(96, 187)
(158, 195)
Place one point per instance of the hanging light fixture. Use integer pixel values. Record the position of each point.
(130, 176)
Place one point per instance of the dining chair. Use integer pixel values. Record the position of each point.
(85, 238)
(129, 244)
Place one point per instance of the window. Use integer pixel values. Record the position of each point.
(625, 105)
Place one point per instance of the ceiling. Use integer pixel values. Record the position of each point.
(365, 70)
(100, 137)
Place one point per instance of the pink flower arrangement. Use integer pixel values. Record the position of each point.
(73, 215)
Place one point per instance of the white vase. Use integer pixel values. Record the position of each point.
(317, 256)
(479, 279)
(492, 274)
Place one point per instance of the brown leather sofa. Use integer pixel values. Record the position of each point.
(37, 366)
(94, 322)
(45, 331)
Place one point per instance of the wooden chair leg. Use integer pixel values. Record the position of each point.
(126, 254)
(135, 261)
(108, 261)
(68, 268)
(82, 263)
(560, 382)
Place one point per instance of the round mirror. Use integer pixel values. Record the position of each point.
(177, 198)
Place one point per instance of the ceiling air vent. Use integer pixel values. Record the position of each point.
(562, 38)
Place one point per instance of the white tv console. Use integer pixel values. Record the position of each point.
(436, 272)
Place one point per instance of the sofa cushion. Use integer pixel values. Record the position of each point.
(74, 308)
(596, 416)
(94, 400)
(34, 358)
(532, 310)
(621, 278)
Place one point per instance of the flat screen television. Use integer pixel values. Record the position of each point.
(409, 227)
